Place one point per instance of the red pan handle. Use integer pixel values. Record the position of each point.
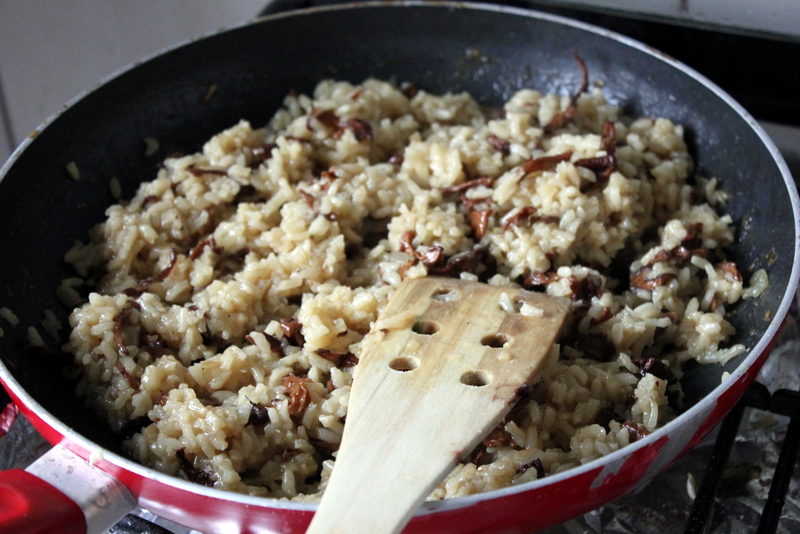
(61, 492)
(30, 505)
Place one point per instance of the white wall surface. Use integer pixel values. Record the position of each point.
(52, 50)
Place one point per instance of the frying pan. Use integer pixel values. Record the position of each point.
(183, 96)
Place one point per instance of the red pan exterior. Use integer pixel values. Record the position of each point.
(523, 508)
(541, 505)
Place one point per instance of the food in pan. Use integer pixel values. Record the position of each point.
(230, 296)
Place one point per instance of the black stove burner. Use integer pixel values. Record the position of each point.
(132, 524)
(782, 402)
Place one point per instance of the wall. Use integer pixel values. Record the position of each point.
(52, 50)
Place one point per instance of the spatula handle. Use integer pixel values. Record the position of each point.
(379, 500)
(385, 471)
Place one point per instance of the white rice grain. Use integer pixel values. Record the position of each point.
(9, 316)
(72, 169)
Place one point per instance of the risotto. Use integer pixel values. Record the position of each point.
(231, 295)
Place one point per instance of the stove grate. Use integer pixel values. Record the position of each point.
(783, 402)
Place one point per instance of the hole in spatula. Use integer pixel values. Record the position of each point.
(403, 364)
(475, 379)
(446, 295)
(496, 341)
(425, 328)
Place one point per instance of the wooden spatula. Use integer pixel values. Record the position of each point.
(441, 367)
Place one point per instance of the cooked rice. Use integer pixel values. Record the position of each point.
(185, 344)
(35, 338)
(52, 326)
(114, 188)
(150, 146)
(9, 316)
(72, 169)
(67, 292)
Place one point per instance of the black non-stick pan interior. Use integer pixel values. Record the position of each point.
(184, 96)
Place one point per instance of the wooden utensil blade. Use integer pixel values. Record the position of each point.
(441, 367)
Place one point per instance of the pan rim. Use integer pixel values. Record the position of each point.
(460, 502)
